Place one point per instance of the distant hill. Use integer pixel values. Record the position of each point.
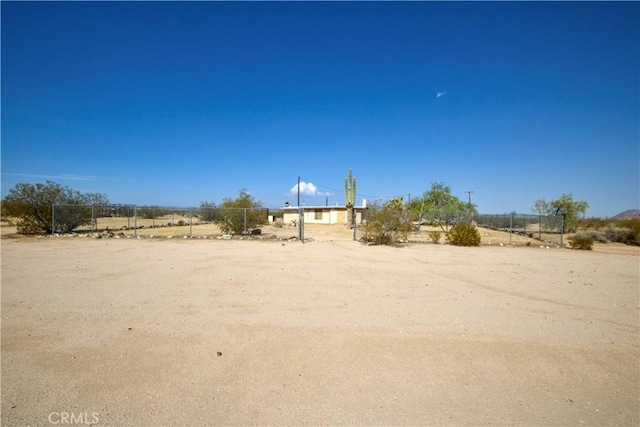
(631, 213)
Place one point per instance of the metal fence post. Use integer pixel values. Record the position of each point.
(53, 219)
(511, 229)
(355, 222)
(245, 221)
(540, 227)
(301, 224)
(135, 220)
(94, 224)
(190, 222)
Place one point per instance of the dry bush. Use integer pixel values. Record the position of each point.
(435, 236)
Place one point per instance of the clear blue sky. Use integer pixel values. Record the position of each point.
(176, 103)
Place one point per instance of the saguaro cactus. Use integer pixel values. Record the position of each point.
(350, 196)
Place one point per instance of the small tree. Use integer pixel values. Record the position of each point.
(570, 209)
(207, 211)
(440, 207)
(32, 206)
(240, 214)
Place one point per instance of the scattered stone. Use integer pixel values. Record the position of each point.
(226, 236)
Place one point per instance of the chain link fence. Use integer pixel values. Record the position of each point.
(158, 221)
(546, 228)
(215, 222)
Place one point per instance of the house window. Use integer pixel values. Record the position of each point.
(318, 213)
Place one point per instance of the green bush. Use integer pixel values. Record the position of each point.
(581, 241)
(435, 236)
(387, 223)
(464, 235)
(239, 215)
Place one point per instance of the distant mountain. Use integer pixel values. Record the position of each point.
(631, 213)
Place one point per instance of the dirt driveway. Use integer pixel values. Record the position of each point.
(213, 332)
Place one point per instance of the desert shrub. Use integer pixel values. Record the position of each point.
(591, 223)
(435, 236)
(618, 230)
(464, 235)
(622, 235)
(181, 222)
(596, 235)
(236, 216)
(278, 223)
(630, 231)
(582, 241)
(386, 224)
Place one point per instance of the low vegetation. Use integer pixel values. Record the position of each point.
(582, 241)
(239, 215)
(387, 223)
(625, 231)
(464, 235)
(435, 236)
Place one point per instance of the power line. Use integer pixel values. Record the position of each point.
(342, 191)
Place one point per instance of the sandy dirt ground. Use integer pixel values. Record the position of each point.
(332, 332)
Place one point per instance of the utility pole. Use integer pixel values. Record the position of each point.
(469, 193)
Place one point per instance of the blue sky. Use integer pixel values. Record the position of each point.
(177, 103)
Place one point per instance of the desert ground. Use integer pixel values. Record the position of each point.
(193, 332)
